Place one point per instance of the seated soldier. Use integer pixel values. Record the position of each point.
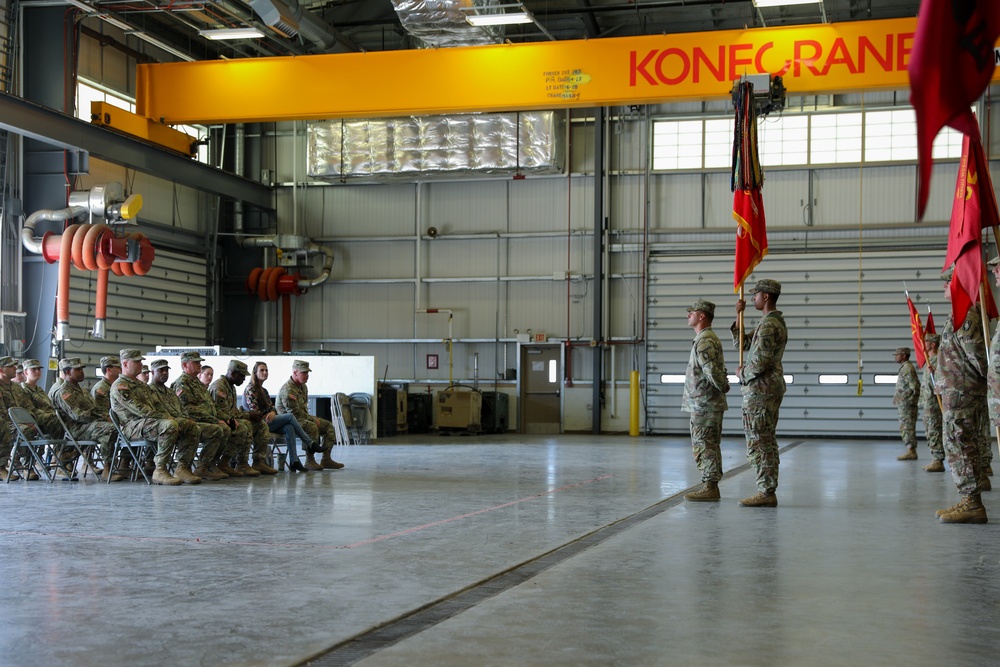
(8, 399)
(223, 391)
(142, 417)
(256, 398)
(82, 416)
(294, 398)
(42, 409)
(111, 368)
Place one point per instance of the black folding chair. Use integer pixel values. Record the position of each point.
(44, 453)
(127, 452)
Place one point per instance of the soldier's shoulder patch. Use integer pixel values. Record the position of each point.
(101, 390)
(66, 396)
(292, 397)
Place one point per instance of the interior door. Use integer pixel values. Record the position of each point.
(541, 388)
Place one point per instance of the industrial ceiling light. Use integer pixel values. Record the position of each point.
(519, 15)
(784, 3)
(231, 33)
(512, 18)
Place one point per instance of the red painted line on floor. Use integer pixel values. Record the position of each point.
(198, 540)
(466, 516)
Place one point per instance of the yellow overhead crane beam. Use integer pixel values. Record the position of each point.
(813, 59)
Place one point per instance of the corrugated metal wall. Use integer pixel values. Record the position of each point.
(820, 300)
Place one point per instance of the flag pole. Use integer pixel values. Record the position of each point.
(739, 321)
(930, 369)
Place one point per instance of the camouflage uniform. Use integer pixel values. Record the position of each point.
(907, 401)
(961, 381)
(101, 393)
(212, 435)
(42, 410)
(84, 419)
(142, 417)
(54, 389)
(7, 431)
(705, 384)
(932, 409)
(763, 381)
(198, 404)
(224, 393)
(294, 398)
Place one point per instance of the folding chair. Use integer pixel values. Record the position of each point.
(45, 453)
(359, 405)
(125, 451)
(89, 449)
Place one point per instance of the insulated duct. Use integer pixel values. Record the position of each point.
(442, 22)
(491, 143)
(290, 19)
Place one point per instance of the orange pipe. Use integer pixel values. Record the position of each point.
(101, 308)
(286, 323)
(62, 295)
(77, 249)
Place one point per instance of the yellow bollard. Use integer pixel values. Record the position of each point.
(633, 403)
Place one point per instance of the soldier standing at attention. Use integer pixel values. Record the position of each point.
(294, 398)
(907, 401)
(705, 388)
(763, 381)
(961, 380)
(111, 367)
(932, 405)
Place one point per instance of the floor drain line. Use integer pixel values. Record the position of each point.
(367, 643)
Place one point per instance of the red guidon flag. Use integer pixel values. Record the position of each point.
(951, 64)
(973, 208)
(929, 328)
(917, 331)
(751, 236)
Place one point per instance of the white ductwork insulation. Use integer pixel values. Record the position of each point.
(442, 22)
(527, 142)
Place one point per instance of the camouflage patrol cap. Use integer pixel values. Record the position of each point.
(994, 261)
(703, 306)
(947, 273)
(932, 338)
(188, 357)
(237, 366)
(299, 365)
(110, 361)
(70, 363)
(767, 285)
(32, 363)
(7, 361)
(131, 354)
(19, 366)
(903, 350)
(160, 363)
(144, 369)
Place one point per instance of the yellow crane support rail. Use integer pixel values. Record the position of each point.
(102, 113)
(812, 59)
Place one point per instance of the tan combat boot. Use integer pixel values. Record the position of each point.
(206, 473)
(330, 464)
(161, 476)
(969, 510)
(115, 477)
(761, 499)
(228, 470)
(246, 470)
(709, 492)
(311, 463)
(910, 455)
(988, 470)
(985, 484)
(261, 466)
(184, 474)
(935, 466)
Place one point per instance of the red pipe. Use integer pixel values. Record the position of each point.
(101, 308)
(62, 294)
(286, 323)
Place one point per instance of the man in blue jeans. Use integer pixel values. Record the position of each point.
(257, 399)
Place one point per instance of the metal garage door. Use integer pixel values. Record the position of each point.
(820, 303)
(167, 306)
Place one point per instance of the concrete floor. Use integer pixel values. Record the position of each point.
(599, 562)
